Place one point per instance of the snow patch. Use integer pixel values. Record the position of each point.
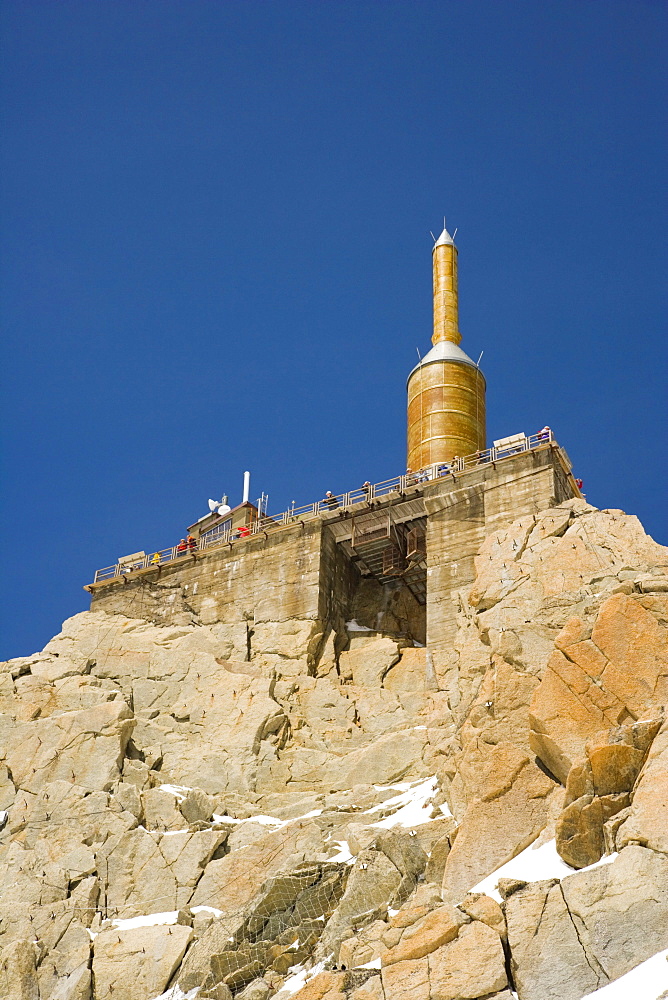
(412, 805)
(373, 964)
(272, 821)
(150, 920)
(343, 853)
(532, 865)
(298, 980)
(217, 818)
(206, 909)
(178, 791)
(176, 993)
(262, 820)
(354, 626)
(646, 982)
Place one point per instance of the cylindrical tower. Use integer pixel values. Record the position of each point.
(446, 390)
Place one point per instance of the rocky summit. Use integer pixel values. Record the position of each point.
(197, 809)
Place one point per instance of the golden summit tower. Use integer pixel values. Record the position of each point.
(446, 390)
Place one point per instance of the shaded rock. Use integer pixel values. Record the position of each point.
(579, 831)
(597, 788)
(197, 806)
(507, 886)
(236, 967)
(437, 859)
(403, 851)
(615, 758)
(647, 821)
(372, 886)
(196, 970)
(278, 929)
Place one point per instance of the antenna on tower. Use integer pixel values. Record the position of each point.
(478, 361)
(418, 354)
(455, 232)
(432, 236)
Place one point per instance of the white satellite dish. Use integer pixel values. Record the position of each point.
(219, 506)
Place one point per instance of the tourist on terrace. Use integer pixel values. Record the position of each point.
(330, 500)
(182, 547)
(545, 434)
(192, 544)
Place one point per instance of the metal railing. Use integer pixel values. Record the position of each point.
(340, 502)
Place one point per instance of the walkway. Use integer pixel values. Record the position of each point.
(342, 502)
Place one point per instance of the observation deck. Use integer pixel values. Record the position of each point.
(380, 525)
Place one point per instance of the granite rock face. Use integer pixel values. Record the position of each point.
(262, 809)
(568, 939)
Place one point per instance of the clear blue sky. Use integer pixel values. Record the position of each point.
(216, 255)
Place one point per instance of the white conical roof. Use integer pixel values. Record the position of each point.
(444, 240)
(445, 350)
